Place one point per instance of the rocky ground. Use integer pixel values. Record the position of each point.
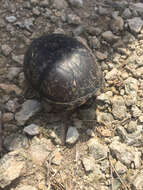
(104, 142)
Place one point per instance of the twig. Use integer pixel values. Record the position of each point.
(51, 176)
(76, 161)
(48, 170)
(113, 168)
(111, 171)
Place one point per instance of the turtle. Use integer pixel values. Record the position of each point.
(63, 70)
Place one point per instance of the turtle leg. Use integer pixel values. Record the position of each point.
(67, 122)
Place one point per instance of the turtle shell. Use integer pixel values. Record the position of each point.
(62, 70)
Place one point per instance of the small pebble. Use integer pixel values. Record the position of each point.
(141, 119)
(13, 72)
(11, 19)
(6, 49)
(120, 168)
(32, 130)
(135, 24)
(89, 164)
(76, 3)
(72, 135)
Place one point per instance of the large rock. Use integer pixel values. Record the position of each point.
(138, 181)
(40, 150)
(132, 139)
(12, 166)
(9, 88)
(98, 150)
(62, 4)
(104, 118)
(125, 154)
(29, 108)
(15, 141)
(135, 24)
(118, 107)
(109, 36)
(137, 7)
(117, 24)
(112, 75)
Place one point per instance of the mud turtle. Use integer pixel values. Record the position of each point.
(62, 70)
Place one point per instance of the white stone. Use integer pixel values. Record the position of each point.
(72, 135)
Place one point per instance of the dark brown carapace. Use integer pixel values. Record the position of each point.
(62, 70)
